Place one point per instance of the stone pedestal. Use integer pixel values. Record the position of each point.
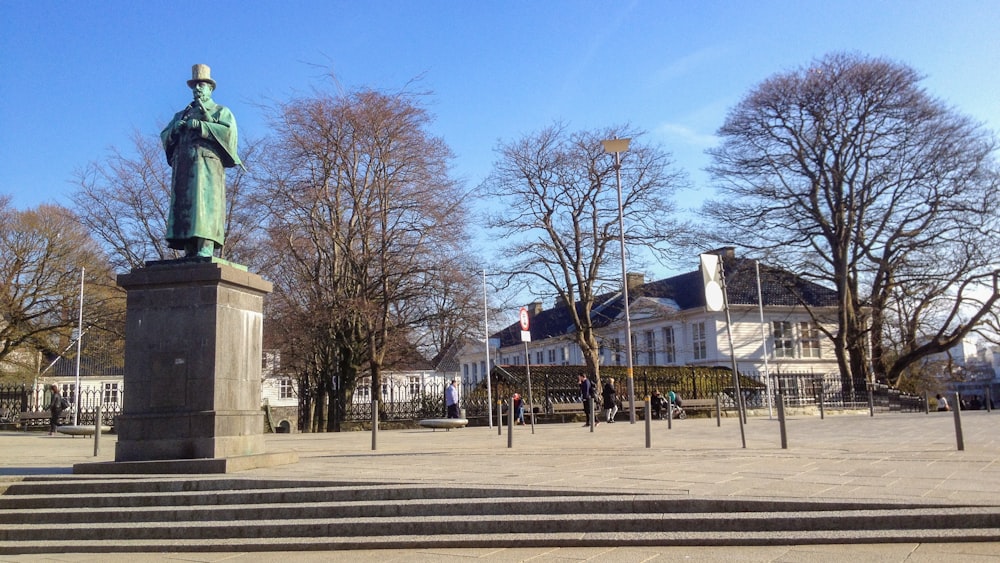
(192, 362)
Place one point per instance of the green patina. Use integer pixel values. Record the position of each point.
(200, 143)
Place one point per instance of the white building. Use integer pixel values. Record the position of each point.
(671, 325)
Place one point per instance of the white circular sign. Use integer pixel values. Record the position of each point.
(713, 296)
(524, 318)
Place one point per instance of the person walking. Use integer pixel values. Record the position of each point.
(610, 401)
(451, 400)
(519, 408)
(55, 408)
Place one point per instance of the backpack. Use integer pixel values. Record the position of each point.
(63, 403)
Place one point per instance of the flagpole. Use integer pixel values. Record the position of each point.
(79, 339)
(486, 328)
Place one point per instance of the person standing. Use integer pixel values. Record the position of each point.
(451, 400)
(55, 408)
(609, 399)
(200, 143)
(587, 395)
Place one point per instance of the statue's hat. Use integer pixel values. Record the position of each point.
(201, 73)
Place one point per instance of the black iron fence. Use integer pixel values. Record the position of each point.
(407, 402)
(17, 399)
(410, 402)
(832, 391)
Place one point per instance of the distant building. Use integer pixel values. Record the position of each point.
(671, 325)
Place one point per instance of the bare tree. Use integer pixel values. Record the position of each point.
(365, 224)
(556, 215)
(44, 251)
(850, 173)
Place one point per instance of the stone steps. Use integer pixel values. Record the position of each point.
(50, 515)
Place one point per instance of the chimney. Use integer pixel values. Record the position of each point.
(726, 252)
(535, 308)
(634, 280)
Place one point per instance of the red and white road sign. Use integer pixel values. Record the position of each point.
(524, 318)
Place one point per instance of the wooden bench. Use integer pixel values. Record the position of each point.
(40, 418)
(697, 404)
(559, 408)
(640, 406)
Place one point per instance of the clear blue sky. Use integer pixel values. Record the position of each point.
(77, 77)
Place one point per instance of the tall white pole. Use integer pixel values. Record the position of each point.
(79, 339)
(763, 341)
(486, 328)
(628, 320)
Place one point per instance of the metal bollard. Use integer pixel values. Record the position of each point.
(958, 423)
(97, 431)
(781, 421)
(647, 413)
(374, 424)
(591, 416)
(718, 410)
(510, 424)
(499, 418)
(821, 415)
(670, 415)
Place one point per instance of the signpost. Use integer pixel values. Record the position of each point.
(526, 338)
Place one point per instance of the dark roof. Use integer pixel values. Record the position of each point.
(99, 362)
(779, 289)
(447, 359)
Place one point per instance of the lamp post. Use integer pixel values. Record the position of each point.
(617, 146)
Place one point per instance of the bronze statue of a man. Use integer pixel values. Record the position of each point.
(200, 143)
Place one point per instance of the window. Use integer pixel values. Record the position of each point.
(564, 354)
(809, 339)
(110, 392)
(669, 346)
(414, 386)
(285, 388)
(617, 343)
(784, 345)
(539, 357)
(552, 356)
(650, 348)
(699, 341)
(465, 370)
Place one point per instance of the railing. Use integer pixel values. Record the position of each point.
(15, 399)
(797, 389)
(809, 389)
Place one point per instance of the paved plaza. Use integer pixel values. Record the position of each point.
(911, 458)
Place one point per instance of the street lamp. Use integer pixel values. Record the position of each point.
(617, 146)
